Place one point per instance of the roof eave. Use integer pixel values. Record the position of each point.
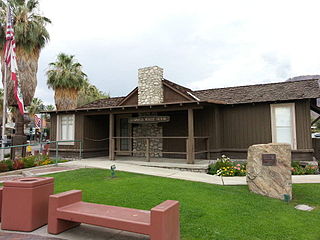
(184, 103)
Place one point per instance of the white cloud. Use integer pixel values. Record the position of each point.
(202, 44)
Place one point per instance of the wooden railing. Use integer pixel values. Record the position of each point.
(147, 152)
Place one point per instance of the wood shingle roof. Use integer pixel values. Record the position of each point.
(282, 91)
(271, 92)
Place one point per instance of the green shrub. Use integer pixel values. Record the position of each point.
(9, 164)
(29, 161)
(3, 167)
(311, 169)
(18, 164)
(297, 169)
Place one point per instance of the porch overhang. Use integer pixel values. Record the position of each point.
(172, 106)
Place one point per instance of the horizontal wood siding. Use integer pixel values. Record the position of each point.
(245, 125)
(303, 125)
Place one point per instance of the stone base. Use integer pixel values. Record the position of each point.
(274, 180)
(18, 152)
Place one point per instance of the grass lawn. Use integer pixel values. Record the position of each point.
(207, 211)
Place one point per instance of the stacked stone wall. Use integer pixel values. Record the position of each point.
(147, 130)
(150, 91)
(150, 88)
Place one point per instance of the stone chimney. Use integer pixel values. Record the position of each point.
(150, 88)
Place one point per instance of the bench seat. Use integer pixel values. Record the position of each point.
(121, 218)
(67, 210)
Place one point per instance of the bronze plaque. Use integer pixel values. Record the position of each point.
(269, 159)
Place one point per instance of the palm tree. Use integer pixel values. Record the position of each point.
(36, 106)
(49, 107)
(89, 93)
(66, 78)
(31, 36)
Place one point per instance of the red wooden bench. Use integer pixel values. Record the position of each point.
(66, 210)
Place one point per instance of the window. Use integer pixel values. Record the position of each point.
(65, 128)
(283, 124)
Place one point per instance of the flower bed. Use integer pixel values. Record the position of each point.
(304, 170)
(26, 162)
(225, 167)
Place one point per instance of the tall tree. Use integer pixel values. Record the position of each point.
(89, 93)
(66, 78)
(49, 107)
(31, 36)
(36, 106)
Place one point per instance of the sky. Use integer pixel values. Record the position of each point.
(199, 44)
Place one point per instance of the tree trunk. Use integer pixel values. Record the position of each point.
(19, 123)
(27, 76)
(66, 98)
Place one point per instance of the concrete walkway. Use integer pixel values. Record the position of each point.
(174, 173)
(156, 171)
(82, 232)
(153, 169)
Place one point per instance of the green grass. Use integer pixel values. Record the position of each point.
(207, 211)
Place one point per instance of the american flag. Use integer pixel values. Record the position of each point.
(11, 61)
(37, 121)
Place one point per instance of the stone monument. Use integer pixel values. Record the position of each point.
(269, 170)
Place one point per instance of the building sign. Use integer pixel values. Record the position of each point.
(269, 159)
(149, 119)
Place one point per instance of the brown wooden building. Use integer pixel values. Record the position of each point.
(162, 119)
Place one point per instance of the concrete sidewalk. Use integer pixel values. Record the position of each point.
(174, 173)
(82, 232)
(142, 169)
(155, 171)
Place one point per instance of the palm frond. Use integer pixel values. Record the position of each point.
(65, 73)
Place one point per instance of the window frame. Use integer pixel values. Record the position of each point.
(59, 127)
(293, 123)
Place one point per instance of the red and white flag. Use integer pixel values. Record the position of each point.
(37, 121)
(11, 61)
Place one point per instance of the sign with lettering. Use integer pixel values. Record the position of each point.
(149, 119)
(269, 159)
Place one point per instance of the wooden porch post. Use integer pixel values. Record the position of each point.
(190, 140)
(111, 139)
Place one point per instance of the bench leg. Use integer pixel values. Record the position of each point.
(165, 223)
(56, 225)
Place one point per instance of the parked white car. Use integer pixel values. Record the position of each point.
(315, 135)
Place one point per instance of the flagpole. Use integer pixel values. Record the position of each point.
(4, 111)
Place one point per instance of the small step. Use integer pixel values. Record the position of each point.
(203, 168)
